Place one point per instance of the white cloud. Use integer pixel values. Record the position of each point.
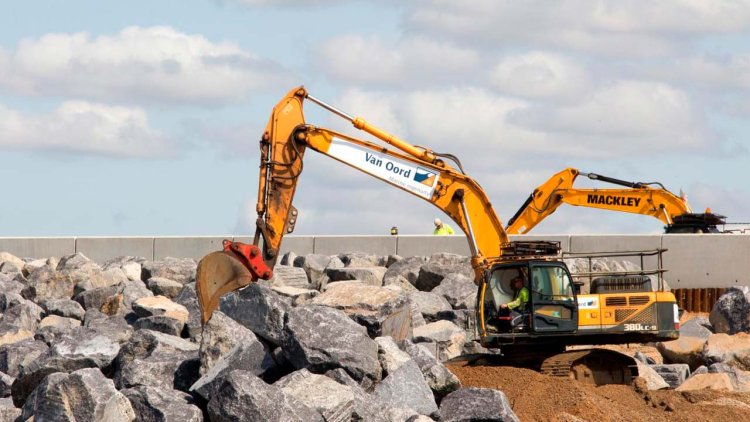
(609, 27)
(157, 64)
(369, 60)
(83, 127)
(731, 202)
(626, 117)
(540, 75)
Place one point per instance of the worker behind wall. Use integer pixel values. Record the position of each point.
(442, 229)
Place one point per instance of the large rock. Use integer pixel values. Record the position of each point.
(82, 348)
(284, 275)
(383, 311)
(130, 265)
(448, 337)
(297, 295)
(476, 404)
(440, 380)
(6, 381)
(10, 291)
(158, 360)
(8, 411)
(241, 396)
(15, 356)
(65, 308)
(241, 356)
(674, 374)
(459, 290)
(406, 388)
(95, 298)
(114, 327)
(258, 308)
(160, 323)
(164, 287)
(732, 350)
(160, 306)
(151, 404)
(359, 259)
(368, 275)
(8, 258)
(47, 282)
(221, 334)
(84, 395)
(181, 270)
(406, 269)
(439, 267)
(654, 381)
(717, 381)
(430, 304)
(342, 344)
(315, 267)
(97, 278)
(334, 401)
(688, 348)
(189, 300)
(389, 355)
(25, 315)
(731, 312)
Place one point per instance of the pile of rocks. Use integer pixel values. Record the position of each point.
(712, 352)
(329, 338)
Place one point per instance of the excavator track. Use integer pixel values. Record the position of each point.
(592, 366)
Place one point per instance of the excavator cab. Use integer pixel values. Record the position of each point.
(551, 306)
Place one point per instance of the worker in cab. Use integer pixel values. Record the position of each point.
(442, 229)
(517, 307)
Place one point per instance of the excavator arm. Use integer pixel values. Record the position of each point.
(635, 197)
(416, 170)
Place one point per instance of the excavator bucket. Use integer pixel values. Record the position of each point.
(218, 274)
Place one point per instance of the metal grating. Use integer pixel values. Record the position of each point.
(638, 300)
(648, 316)
(622, 314)
(616, 301)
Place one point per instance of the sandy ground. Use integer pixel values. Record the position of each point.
(538, 397)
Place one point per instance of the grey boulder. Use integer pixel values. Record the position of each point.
(158, 360)
(341, 343)
(259, 309)
(384, 311)
(151, 404)
(84, 395)
(241, 396)
(181, 270)
(476, 404)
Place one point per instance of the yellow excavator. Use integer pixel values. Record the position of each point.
(555, 315)
(635, 197)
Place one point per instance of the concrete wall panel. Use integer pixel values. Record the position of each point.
(707, 260)
(332, 245)
(38, 247)
(187, 247)
(101, 249)
(619, 243)
(428, 245)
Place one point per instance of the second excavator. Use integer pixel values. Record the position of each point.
(646, 198)
(554, 317)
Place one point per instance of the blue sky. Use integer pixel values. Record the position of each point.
(142, 118)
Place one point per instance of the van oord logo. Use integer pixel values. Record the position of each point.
(424, 177)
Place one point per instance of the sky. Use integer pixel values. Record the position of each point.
(142, 118)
